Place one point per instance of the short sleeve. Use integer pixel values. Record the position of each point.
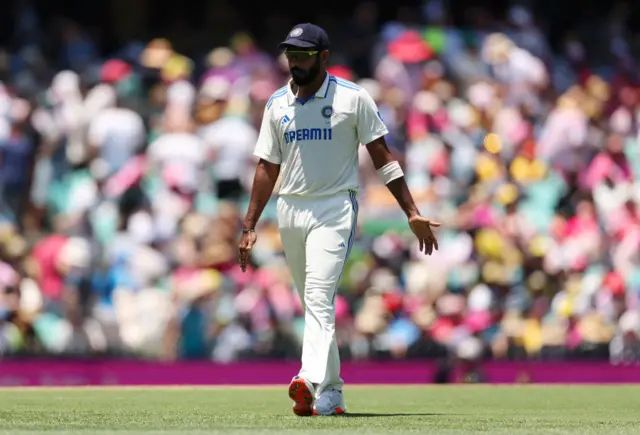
(268, 145)
(369, 125)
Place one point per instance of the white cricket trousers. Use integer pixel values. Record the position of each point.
(317, 235)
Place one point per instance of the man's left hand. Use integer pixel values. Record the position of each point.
(421, 227)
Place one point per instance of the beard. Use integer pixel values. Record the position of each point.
(302, 77)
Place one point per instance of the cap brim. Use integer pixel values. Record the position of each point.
(297, 43)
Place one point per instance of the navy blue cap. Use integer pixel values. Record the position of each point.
(307, 36)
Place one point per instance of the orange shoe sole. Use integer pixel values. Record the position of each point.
(302, 398)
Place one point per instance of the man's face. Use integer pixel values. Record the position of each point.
(304, 65)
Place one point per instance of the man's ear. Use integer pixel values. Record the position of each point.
(324, 57)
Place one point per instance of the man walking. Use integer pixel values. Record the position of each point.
(310, 135)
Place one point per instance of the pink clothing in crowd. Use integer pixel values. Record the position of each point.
(45, 253)
(605, 166)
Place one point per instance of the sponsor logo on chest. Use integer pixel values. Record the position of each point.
(302, 134)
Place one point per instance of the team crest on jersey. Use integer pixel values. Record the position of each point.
(327, 111)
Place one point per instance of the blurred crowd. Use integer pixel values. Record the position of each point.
(124, 180)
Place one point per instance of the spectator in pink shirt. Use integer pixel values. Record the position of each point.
(584, 222)
(45, 257)
(610, 164)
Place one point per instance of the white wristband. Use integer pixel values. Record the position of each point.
(391, 171)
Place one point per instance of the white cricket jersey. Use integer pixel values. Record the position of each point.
(316, 142)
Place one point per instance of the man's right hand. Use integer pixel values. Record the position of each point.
(245, 246)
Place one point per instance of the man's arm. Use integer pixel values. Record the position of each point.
(389, 169)
(267, 171)
(371, 131)
(267, 150)
(381, 156)
(263, 184)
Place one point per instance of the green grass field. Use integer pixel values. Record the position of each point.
(458, 410)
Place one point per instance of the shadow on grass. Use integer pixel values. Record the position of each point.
(382, 414)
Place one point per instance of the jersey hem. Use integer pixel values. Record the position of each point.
(312, 196)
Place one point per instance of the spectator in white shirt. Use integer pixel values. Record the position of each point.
(116, 134)
(229, 139)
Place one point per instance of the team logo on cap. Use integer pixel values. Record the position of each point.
(296, 32)
(327, 111)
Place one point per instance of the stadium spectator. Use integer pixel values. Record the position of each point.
(123, 176)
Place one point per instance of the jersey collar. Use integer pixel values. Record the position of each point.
(323, 92)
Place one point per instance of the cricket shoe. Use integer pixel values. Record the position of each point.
(301, 392)
(330, 403)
